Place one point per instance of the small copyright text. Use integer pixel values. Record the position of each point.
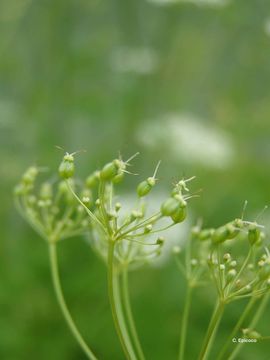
(244, 340)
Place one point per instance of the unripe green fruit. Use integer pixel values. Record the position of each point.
(169, 207)
(182, 202)
(232, 231)
(220, 235)
(205, 234)
(253, 234)
(109, 171)
(30, 175)
(66, 169)
(231, 275)
(118, 178)
(145, 187)
(179, 215)
(46, 191)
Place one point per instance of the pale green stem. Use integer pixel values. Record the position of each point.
(236, 328)
(111, 292)
(89, 212)
(129, 314)
(252, 324)
(183, 333)
(62, 303)
(211, 331)
(241, 269)
(120, 314)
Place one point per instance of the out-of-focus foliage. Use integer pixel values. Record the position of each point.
(184, 81)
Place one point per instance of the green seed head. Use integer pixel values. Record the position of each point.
(66, 168)
(169, 206)
(68, 157)
(46, 192)
(231, 275)
(205, 234)
(143, 188)
(179, 215)
(119, 177)
(253, 234)
(151, 181)
(29, 176)
(182, 202)
(221, 234)
(146, 186)
(109, 171)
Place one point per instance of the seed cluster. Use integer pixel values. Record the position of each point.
(72, 206)
(49, 207)
(232, 278)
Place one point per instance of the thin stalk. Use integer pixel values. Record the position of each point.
(252, 324)
(62, 302)
(129, 314)
(211, 331)
(111, 292)
(236, 328)
(184, 324)
(120, 313)
(242, 268)
(89, 212)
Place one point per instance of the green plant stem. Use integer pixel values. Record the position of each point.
(252, 324)
(111, 292)
(129, 314)
(62, 303)
(120, 314)
(236, 328)
(210, 334)
(184, 323)
(241, 269)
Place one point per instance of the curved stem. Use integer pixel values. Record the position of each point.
(184, 324)
(211, 331)
(129, 314)
(111, 291)
(62, 303)
(236, 328)
(252, 324)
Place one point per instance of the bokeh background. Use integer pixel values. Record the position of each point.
(186, 82)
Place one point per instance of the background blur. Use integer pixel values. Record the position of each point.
(184, 81)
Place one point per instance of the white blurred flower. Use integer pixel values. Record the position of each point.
(267, 26)
(138, 60)
(196, 2)
(188, 138)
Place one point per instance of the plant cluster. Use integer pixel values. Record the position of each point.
(70, 206)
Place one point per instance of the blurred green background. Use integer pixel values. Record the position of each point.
(184, 81)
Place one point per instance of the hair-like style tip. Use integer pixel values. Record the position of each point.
(131, 158)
